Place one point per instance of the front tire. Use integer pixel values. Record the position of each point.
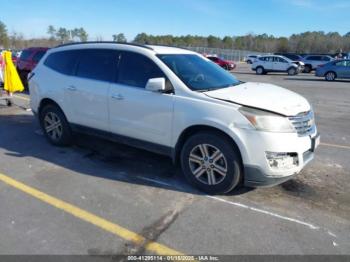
(330, 76)
(211, 163)
(307, 69)
(292, 71)
(55, 125)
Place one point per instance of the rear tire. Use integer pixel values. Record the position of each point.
(55, 125)
(260, 70)
(330, 76)
(211, 163)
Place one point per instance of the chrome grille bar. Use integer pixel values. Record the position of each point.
(303, 123)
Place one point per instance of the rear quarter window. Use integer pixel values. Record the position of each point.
(63, 62)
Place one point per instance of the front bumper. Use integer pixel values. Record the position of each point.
(258, 169)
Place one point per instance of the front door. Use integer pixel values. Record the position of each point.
(136, 112)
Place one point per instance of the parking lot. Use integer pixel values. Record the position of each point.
(98, 197)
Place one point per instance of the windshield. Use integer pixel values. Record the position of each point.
(198, 73)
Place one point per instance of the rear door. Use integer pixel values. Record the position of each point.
(268, 63)
(87, 94)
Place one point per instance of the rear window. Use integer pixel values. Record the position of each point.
(38, 56)
(63, 62)
(25, 54)
(97, 64)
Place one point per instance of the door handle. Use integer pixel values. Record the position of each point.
(118, 97)
(72, 88)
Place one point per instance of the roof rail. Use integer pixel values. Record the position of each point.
(104, 42)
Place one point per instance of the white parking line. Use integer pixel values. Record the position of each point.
(334, 145)
(311, 226)
(153, 180)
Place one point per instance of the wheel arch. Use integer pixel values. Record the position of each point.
(331, 71)
(195, 129)
(48, 101)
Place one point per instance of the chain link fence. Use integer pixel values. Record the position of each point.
(227, 54)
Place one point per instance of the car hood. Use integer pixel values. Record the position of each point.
(263, 96)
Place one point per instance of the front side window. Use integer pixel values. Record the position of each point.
(63, 62)
(136, 69)
(198, 73)
(343, 63)
(97, 64)
(280, 60)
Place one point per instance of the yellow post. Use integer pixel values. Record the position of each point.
(12, 82)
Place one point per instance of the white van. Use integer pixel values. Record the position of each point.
(172, 101)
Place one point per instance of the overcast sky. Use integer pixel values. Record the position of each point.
(178, 17)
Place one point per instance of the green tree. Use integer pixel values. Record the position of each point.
(82, 34)
(227, 42)
(63, 35)
(142, 38)
(119, 38)
(4, 38)
(51, 30)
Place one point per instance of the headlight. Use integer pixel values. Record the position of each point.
(266, 121)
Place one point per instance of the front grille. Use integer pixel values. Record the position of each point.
(303, 123)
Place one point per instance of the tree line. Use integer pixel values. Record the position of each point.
(307, 42)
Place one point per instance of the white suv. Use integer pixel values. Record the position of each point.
(275, 63)
(172, 101)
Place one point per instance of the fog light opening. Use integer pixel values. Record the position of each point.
(278, 160)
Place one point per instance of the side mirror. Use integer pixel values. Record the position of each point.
(156, 84)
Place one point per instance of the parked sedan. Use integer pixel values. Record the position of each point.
(334, 69)
(228, 65)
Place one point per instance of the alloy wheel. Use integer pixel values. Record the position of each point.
(53, 126)
(208, 164)
(330, 76)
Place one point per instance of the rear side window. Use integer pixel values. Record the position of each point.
(326, 58)
(97, 64)
(38, 56)
(314, 58)
(214, 59)
(63, 62)
(136, 69)
(25, 55)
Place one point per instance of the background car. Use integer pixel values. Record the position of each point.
(313, 61)
(251, 58)
(274, 63)
(28, 60)
(228, 65)
(291, 56)
(334, 69)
